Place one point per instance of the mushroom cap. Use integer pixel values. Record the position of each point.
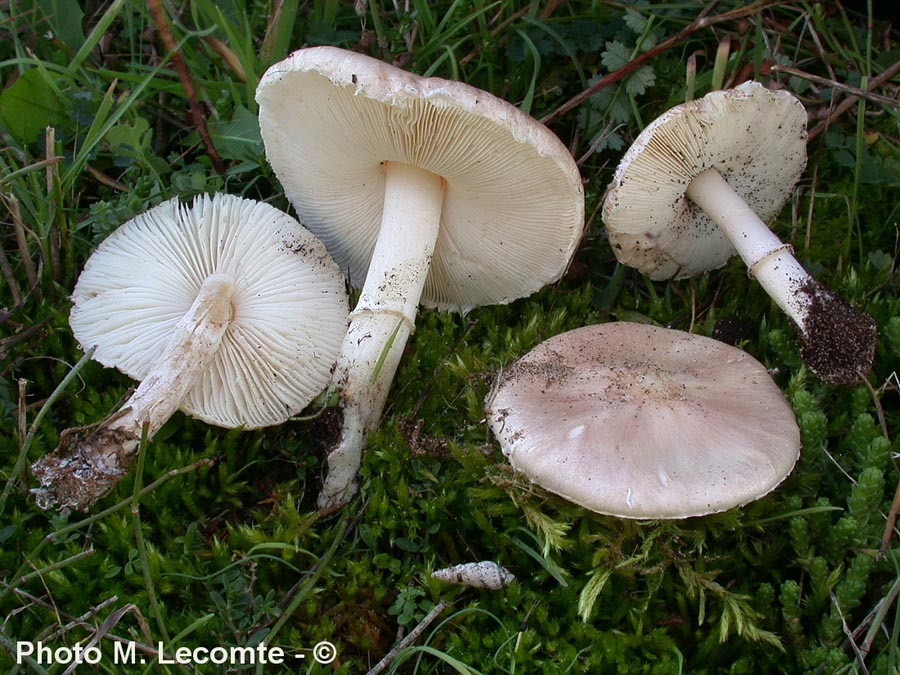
(513, 210)
(643, 422)
(290, 306)
(754, 137)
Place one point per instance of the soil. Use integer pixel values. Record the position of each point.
(837, 341)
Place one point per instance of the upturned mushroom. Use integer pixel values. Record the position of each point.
(228, 310)
(699, 184)
(636, 421)
(423, 190)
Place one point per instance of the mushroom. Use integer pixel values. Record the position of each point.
(700, 182)
(637, 421)
(229, 310)
(423, 190)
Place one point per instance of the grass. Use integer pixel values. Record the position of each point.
(215, 541)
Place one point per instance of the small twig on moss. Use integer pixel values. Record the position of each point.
(891, 521)
(165, 35)
(71, 621)
(834, 84)
(880, 615)
(849, 635)
(96, 633)
(413, 635)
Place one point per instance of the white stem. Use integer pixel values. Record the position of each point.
(384, 317)
(769, 261)
(89, 463)
(192, 345)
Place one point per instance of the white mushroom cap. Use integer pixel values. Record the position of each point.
(289, 306)
(513, 201)
(643, 422)
(754, 137)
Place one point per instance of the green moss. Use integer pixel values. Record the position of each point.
(232, 540)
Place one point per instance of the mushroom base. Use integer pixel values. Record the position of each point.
(837, 341)
(85, 467)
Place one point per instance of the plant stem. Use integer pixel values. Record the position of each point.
(413, 635)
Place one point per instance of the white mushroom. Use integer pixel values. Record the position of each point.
(698, 185)
(228, 310)
(642, 422)
(424, 190)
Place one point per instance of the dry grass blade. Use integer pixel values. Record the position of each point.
(11, 283)
(850, 101)
(857, 93)
(197, 116)
(410, 638)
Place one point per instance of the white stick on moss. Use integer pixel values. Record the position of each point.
(384, 318)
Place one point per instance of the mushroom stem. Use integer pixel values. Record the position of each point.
(88, 463)
(768, 260)
(837, 341)
(384, 317)
(193, 344)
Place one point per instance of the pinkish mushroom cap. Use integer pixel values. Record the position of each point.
(643, 422)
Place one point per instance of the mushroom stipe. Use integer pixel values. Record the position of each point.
(426, 191)
(837, 340)
(85, 467)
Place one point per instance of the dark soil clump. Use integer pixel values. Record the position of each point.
(837, 341)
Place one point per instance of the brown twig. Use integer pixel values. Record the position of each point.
(102, 178)
(12, 204)
(197, 116)
(850, 101)
(228, 56)
(11, 283)
(891, 522)
(840, 86)
(701, 22)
